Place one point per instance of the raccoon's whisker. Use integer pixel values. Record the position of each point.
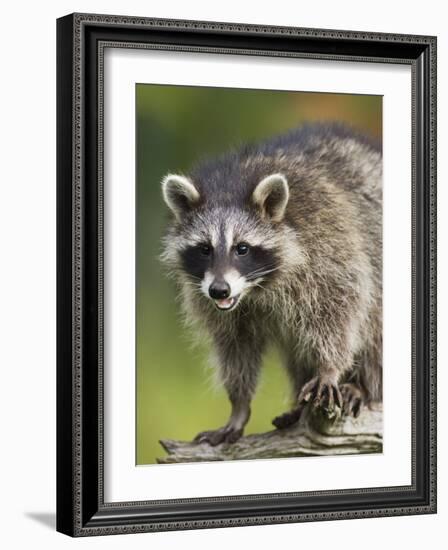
(260, 274)
(260, 270)
(194, 285)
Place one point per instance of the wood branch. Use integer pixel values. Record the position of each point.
(315, 434)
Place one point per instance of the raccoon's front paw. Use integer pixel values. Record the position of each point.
(227, 434)
(323, 392)
(354, 399)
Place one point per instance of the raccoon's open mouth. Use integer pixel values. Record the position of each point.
(226, 304)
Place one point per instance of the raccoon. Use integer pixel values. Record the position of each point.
(280, 242)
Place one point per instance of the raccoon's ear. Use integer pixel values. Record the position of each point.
(271, 197)
(179, 194)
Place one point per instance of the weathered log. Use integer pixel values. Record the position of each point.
(315, 434)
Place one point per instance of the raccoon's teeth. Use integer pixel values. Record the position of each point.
(225, 303)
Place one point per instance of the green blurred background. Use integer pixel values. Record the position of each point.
(176, 126)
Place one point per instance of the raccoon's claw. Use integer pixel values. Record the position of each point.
(226, 434)
(323, 392)
(353, 400)
(287, 419)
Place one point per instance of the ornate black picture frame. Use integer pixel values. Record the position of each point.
(81, 509)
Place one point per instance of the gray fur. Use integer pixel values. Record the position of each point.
(322, 302)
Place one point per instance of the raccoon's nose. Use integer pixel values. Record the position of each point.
(219, 290)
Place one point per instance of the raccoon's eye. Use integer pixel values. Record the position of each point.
(205, 249)
(242, 249)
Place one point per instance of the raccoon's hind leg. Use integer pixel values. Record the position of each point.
(364, 383)
(239, 362)
(288, 418)
(354, 399)
(297, 377)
